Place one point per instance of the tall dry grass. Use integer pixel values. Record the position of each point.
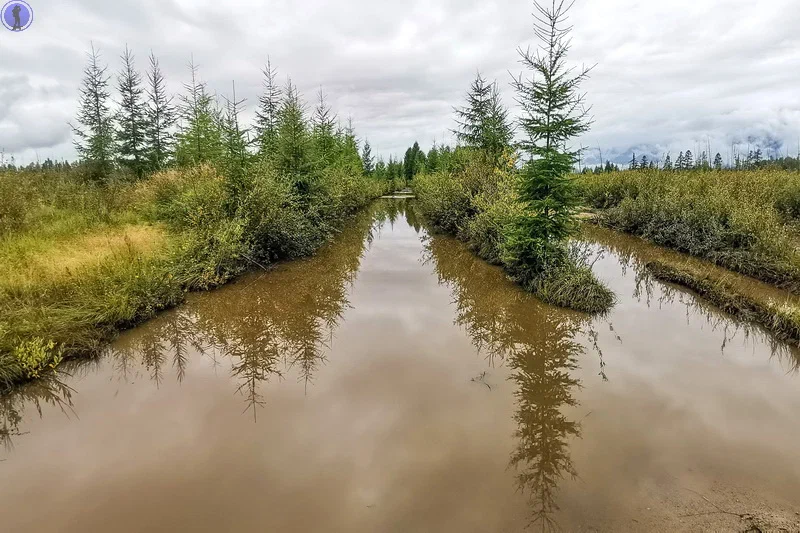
(744, 221)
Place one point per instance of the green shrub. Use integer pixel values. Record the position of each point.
(209, 257)
(274, 224)
(35, 355)
(496, 209)
(445, 201)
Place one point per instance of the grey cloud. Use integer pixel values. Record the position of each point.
(31, 117)
(669, 75)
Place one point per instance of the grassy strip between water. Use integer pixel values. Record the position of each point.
(479, 203)
(743, 220)
(82, 261)
(781, 319)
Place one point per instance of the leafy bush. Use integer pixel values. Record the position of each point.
(35, 355)
(210, 256)
(496, 209)
(274, 224)
(445, 201)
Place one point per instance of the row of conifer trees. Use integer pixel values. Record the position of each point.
(146, 129)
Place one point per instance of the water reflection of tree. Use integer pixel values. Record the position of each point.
(262, 326)
(49, 390)
(537, 343)
(265, 325)
(633, 254)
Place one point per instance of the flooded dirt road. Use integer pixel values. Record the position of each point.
(396, 383)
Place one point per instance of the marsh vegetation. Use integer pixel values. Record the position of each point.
(154, 209)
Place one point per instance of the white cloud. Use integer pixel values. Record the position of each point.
(669, 76)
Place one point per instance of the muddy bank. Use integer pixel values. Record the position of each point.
(746, 298)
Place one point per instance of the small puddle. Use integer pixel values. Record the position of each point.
(395, 382)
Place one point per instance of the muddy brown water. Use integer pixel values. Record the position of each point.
(395, 383)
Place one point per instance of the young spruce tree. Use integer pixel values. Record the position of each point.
(552, 114)
(410, 162)
(432, 159)
(323, 132)
(688, 160)
(348, 156)
(200, 137)
(235, 139)
(130, 117)
(718, 161)
(160, 119)
(292, 147)
(483, 122)
(366, 157)
(267, 114)
(94, 135)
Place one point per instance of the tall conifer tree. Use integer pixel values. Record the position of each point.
(234, 135)
(200, 137)
(267, 114)
(411, 161)
(688, 160)
(292, 147)
(348, 156)
(323, 131)
(552, 115)
(94, 134)
(483, 121)
(366, 157)
(130, 117)
(160, 119)
(432, 164)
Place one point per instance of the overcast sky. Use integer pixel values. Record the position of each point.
(670, 75)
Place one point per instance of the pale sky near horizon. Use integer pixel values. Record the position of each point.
(669, 76)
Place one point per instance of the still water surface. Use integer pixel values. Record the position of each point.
(396, 383)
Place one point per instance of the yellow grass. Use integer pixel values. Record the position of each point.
(30, 260)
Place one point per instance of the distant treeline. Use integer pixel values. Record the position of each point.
(439, 157)
(754, 159)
